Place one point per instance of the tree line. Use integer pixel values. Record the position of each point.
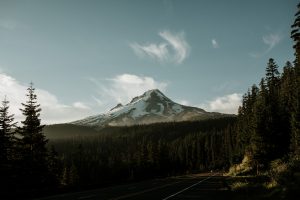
(268, 120)
(122, 154)
(268, 124)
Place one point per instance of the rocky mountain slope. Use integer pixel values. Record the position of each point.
(151, 107)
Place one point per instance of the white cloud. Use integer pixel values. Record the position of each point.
(81, 105)
(178, 43)
(215, 44)
(271, 41)
(175, 49)
(184, 102)
(122, 88)
(52, 110)
(226, 104)
(159, 52)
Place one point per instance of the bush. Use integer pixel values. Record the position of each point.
(279, 171)
(244, 168)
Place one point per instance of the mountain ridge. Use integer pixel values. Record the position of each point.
(150, 107)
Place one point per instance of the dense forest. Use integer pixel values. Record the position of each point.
(134, 153)
(262, 138)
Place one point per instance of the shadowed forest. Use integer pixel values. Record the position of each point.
(262, 141)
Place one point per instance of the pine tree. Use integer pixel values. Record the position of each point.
(287, 92)
(7, 147)
(7, 137)
(33, 143)
(258, 143)
(272, 74)
(295, 34)
(277, 135)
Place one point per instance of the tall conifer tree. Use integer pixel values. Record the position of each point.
(7, 137)
(7, 146)
(33, 142)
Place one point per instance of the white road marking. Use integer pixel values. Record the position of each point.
(173, 195)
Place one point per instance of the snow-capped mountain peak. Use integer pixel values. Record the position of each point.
(151, 94)
(150, 107)
(151, 102)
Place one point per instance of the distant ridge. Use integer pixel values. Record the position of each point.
(151, 107)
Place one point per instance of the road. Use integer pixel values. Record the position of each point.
(197, 186)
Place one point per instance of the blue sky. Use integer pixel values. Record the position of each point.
(86, 56)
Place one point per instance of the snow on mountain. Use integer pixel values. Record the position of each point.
(151, 107)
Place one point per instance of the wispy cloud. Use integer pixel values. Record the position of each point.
(158, 52)
(52, 110)
(215, 44)
(174, 49)
(270, 41)
(122, 88)
(225, 104)
(178, 43)
(98, 101)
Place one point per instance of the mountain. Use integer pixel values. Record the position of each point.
(151, 107)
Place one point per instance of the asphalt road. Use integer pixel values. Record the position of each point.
(196, 186)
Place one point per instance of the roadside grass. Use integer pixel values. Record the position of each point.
(253, 187)
(280, 182)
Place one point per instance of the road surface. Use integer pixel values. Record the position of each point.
(197, 186)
